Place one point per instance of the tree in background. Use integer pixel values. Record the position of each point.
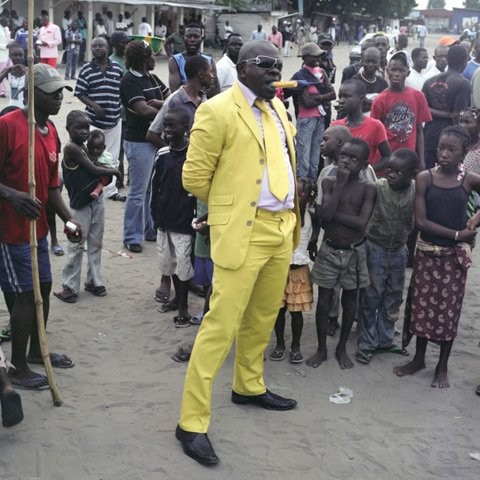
(437, 4)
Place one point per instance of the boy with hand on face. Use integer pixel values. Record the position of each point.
(391, 222)
(346, 208)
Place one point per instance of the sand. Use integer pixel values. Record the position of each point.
(121, 401)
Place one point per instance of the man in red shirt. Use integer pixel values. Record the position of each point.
(276, 38)
(17, 208)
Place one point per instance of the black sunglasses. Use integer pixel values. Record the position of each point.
(266, 63)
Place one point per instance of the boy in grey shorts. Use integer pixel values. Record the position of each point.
(347, 205)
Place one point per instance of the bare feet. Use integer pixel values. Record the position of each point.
(343, 359)
(315, 360)
(441, 379)
(409, 368)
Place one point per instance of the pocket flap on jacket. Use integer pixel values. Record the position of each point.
(218, 218)
(221, 200)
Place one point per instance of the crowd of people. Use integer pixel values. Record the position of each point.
(387, 165)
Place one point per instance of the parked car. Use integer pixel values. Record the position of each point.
(356, 52)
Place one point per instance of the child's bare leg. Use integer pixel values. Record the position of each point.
(349, 301)
(165, 285)
(181, 294)
(280, 329)
(297, 327)
(441, 370)
(418, 362)
(324, 303)
(208, 294)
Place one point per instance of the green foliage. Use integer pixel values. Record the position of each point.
(475, 4)
(436, 4)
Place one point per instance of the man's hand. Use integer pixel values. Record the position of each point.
(25, 205)
(99, 112)
(73, 231)
(18, 70)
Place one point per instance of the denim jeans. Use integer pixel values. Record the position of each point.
(309, 137)
(70, 67)
(92, 221)
(383, 297)
(138, 218)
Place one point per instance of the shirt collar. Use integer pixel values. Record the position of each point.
(248, 94)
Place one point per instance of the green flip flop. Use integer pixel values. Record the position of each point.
(364, 356)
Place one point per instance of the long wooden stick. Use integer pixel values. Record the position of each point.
(33, 225)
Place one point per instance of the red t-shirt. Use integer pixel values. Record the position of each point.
(15, 228)
(372, 131)
(401, 113)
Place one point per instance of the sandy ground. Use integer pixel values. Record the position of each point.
(121, 401)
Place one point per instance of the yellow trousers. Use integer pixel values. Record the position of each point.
(244, 306)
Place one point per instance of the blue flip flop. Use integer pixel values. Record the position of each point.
(32, 384)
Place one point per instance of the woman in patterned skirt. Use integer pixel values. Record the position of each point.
(443, 253)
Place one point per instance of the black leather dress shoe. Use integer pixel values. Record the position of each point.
(267, 400)
(197, 446)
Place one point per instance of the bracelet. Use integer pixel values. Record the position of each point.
(456, 235)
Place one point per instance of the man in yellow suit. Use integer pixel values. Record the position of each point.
(240, 162)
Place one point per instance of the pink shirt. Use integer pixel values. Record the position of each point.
(276, 39)
(53, 37)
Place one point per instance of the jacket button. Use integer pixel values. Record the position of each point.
(262, 161)
(259, 181)
(253, 204)
(249, 223)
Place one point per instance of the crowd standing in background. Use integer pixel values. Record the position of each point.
(214, 151)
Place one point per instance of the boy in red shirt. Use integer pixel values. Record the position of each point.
(402, 109)
(351, 95)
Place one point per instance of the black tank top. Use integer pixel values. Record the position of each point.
(447, 207)
(79, 182)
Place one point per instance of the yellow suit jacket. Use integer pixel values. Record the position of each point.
(224, 168)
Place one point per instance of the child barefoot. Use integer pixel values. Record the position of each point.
(81, 177)
(172, 213)
(298, 296)
(97, 152)
(346, 208)
(443, 254)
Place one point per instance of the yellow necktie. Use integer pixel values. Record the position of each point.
(277, 172)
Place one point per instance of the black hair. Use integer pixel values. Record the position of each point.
(193, 25)
(458, 132)
(136, 54)
(182, 115)
(117, 37)
(94, 134)
(456, 57)
(10, 108)
(474, 111)
(74, 115)
(233, 34)
(416, 52)
(409, 157)
(194, 65)
(358, 85)
(363, 146)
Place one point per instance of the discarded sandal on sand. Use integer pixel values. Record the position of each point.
(182, 355)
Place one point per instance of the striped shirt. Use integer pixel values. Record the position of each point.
(104, 89)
